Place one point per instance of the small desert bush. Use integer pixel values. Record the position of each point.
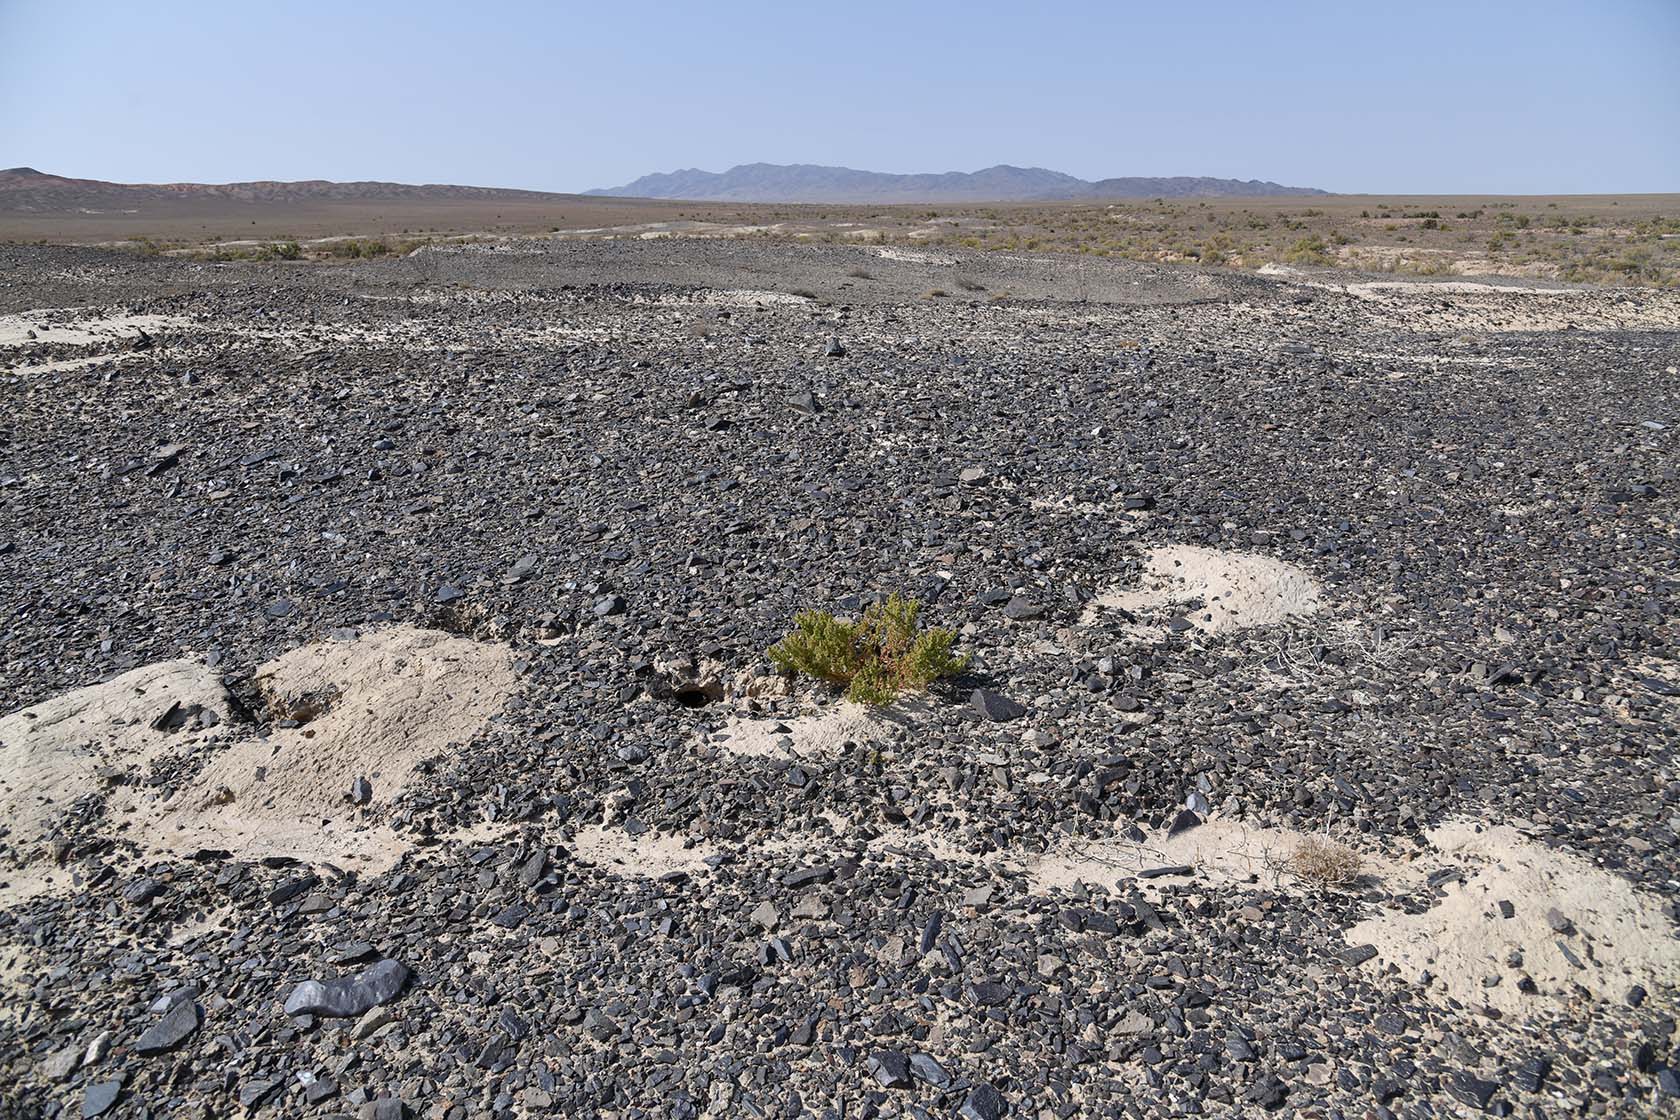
(874, 659)
(1308, 250)
(357, 248)
(1320, 862)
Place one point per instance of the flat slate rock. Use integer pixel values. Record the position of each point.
(995, 706)
(99, 1098)
(349, 996)
(171, 1030)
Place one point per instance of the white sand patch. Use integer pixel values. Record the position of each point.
(911, 256)
(1375, 288)
(73, 745)
(1219, 851)
(645, 856)
(736, 298)
(1616, 933)
(820, 734)
(81, 326)
(371, 708)
(386, 703)
(1235, 589)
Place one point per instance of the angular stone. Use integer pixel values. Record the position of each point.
(1471, 1089)
(924, 1067)
(169, 1031)
(349, 996)
(99, 1098)
(995, 706)
(1184, 822)
(890, 1068)
(983, 1103)
(807, 876)
(1022, 609)
(1269, 1092)
(62, 1064)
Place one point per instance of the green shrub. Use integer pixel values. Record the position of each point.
(875, 658)
(1308, 250)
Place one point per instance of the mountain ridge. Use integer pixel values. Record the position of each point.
(27, 190)
(808, 182)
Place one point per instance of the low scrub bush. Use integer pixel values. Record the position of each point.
(875, 659)
(1308, 250)
(1324, 864)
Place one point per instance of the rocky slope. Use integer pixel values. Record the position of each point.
(1240, 561)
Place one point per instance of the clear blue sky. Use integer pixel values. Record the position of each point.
(1496, 96)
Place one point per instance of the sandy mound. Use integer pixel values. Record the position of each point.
(1233, 589)
(819, 734)
(79, 743)
(372, 708)
(1575, 931)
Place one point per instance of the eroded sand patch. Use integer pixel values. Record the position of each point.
(82, 326)
(647, 855)
(371, 708)
(819, 734)
(74, 745)
(1230, 590)
(740, 298)
(1219, 850)
(1577, 932)
(911, 256)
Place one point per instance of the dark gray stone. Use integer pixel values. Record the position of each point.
(99, 1098)
(982, 1103)
(169, 1031)
(348, 997)
(995, 706)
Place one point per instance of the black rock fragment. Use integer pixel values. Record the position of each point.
(348, 997)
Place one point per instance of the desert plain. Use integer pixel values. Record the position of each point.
(386, 728)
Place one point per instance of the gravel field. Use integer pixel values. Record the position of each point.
(386, 728)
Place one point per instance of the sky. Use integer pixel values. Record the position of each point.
(1472, 96)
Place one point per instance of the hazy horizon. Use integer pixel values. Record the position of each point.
(1563, 97)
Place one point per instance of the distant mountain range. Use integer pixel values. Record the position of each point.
(26, 190)
(805, 182)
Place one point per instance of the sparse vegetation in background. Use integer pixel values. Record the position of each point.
(875, 659)
(1323, 864)
(1597, 241)
(356, 248)
(1308, 250)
